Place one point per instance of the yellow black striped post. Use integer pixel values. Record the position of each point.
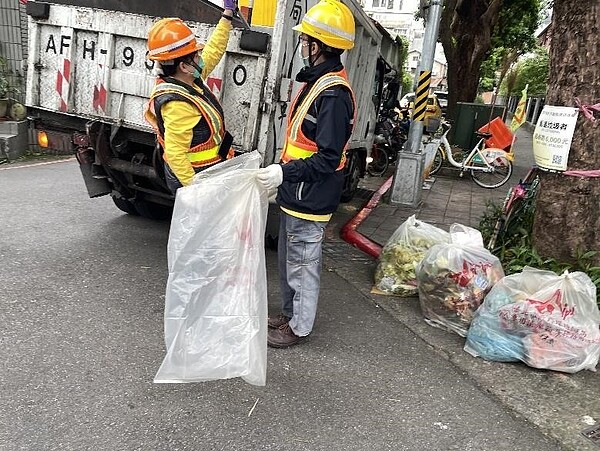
(421, 95)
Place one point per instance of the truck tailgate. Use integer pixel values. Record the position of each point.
(91, 63)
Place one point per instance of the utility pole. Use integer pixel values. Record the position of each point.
(406, 186)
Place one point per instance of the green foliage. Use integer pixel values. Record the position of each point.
(403, 46)
(407, 82)
(6, 75)
(515, 250)
(4, 84)
(516, 25)
(533, 71)
(487, 79)
(509, 82)
(405, 78)
(513, 35)
(487, 222)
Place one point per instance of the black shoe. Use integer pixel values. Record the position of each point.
(275, 322)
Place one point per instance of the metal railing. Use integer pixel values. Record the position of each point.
(535, 104)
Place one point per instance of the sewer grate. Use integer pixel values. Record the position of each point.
(592, 433)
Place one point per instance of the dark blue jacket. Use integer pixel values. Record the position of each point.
(313, 185)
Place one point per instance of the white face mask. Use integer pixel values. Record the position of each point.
(305, 59)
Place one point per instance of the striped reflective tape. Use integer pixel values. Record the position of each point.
(421, 95)
(334, 31)
(173, 46)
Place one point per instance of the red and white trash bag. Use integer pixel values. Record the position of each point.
(545, 320)
(453, 279)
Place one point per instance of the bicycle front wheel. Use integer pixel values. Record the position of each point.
(437, 162)
(503, 169)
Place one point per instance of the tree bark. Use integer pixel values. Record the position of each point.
(567, 217)
(465, 32)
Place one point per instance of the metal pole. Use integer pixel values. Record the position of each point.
(406, 187)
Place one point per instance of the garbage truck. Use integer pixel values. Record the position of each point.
(88, 83)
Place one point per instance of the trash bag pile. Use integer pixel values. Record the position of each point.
(395, 273)
(536, 317)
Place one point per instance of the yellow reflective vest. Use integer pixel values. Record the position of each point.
(297, 145)
(204, 147)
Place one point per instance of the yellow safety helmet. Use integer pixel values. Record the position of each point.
(331, 22)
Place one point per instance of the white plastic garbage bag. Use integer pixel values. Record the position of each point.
(216, 297)
(545, 320)
(454, 278)
(395, 273)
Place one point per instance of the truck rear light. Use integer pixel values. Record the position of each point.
(42, 139)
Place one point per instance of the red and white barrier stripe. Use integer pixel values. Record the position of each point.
(214, 84)
(99, 98)
(63, 79)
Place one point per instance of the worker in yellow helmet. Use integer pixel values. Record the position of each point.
(309, 178)
(185, 114)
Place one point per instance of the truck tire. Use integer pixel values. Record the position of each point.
(151, 210)
(125, 205)
(352, 173)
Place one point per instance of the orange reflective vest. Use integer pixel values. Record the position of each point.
(297, 145)
(202, 152)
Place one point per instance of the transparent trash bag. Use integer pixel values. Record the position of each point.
(454, 278)
(216, 297)
(395, 273)
(548, 321)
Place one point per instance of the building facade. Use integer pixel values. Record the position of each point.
(398, 18)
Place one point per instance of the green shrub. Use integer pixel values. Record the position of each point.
(515, 249)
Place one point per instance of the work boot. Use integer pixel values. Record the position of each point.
(275, 322)
(283, 337)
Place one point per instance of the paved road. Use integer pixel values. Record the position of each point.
(81, 302)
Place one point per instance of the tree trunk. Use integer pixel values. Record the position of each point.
(507, 62)
(567, 217)
(465, 32)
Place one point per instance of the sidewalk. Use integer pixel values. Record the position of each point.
(561, 405)
(451, 198)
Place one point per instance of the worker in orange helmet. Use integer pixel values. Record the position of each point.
(309, 178)
(185, 114)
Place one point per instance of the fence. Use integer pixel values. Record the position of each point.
(534, 107)
(13, 45)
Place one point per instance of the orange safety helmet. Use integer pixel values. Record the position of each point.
(171, 38)
(331, 22)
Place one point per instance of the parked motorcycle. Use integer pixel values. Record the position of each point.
(391, 132)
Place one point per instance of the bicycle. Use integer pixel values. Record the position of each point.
(390, 136)
(489, 168)
(519, 201)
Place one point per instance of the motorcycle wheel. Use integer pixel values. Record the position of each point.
(380, 162)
